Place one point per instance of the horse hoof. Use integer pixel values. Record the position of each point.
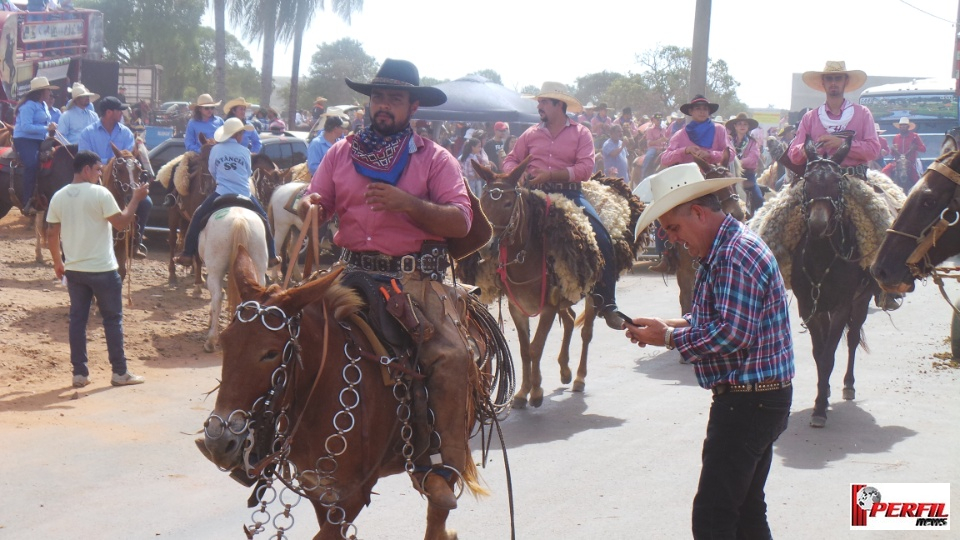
(536, 397)
(452, 534)
(209, 347)
(565, 375)
(578, 385)
(818, 421)
(519, 402)
(849, 394)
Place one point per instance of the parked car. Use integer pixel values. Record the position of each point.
(285, 150)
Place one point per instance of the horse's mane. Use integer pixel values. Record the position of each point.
(341, 300)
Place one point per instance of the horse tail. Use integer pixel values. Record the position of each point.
(239, 234)
(471, 478)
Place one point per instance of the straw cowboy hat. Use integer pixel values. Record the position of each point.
(676, 185)
(78, 91)
(320, 100)
(786, 129)
(855, 77)
(204, 100)
(230, 128)
(904, 121)
(401, 75)
(558, 91)
(685, 108)
(751, 123)
(876, 126)
(238, 102)
(41, 83)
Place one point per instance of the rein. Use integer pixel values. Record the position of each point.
(124, 194)
(509, 231)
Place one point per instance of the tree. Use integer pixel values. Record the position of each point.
(294, 16)
(530, 90)
(257, 20)
(332, 62)
(667, 75)
(220, 72)
(147, 32)
(242, 78)
(592, 87)
(490, 75)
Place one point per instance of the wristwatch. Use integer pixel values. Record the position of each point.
(668, 339)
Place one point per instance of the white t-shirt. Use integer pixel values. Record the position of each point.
(87, 237)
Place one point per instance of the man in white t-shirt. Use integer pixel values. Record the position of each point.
(81, 214)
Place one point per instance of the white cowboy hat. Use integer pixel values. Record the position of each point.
(876, 126)
(905, 121)
(238, 102)
(204, 100)
(41, 83)
(855, 77)
(78, 91)
(674, 186)
(230, 128)
(558, 91)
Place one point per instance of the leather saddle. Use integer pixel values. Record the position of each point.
(227, 201)
(391, 332)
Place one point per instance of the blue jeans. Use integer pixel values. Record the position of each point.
(143, 212)
(648, 160)
(108, 290)
(28, 151)
(737, 454)
(607, 284)
(752, 189)
(192, 242)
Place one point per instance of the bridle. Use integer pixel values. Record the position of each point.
(932, 232)
(512, 235)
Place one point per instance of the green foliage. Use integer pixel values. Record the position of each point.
(330, 65)
(667, 75)
(243, 79)
(530, 90)
(592, 87)
(430, 81)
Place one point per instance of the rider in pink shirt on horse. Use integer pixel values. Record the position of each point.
(701, 137)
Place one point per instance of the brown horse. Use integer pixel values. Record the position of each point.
(833, 290)
(54, 172)
(201, 184)
(297, 359)
(925, 232)
(730, 204)
(527, 271)
(121, 176)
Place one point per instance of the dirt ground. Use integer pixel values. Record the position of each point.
(620, 460)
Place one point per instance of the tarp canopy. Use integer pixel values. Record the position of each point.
(476, 99)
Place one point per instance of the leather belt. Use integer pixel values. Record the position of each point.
(859, 170)
(432, 264)
(557, 186)
(723, 388)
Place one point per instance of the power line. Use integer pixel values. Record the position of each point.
(952, 23)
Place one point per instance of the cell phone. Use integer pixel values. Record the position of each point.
(626, 319)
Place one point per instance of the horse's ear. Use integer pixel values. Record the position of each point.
(704, 166)
(202, 138)
(809, 149)
(484, 172)
(313, 291)
(725, 158)
(116, 151)
(514, 176)
(245, 275)
(842, 151)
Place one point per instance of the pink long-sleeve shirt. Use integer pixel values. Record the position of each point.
(432, 174)
(572, 149)
(676, 150)
(864, 147)
(751, 154)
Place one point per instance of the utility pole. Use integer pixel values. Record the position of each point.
(701, 43)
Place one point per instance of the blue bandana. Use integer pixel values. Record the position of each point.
(382, 159)
(701, 133)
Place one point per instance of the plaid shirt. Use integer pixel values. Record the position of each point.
(739, 329)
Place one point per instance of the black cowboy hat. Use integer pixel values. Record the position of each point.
(401, 75)
(685, 108)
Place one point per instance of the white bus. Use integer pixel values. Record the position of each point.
(931, 104)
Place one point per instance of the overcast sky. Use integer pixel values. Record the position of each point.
(528, 42)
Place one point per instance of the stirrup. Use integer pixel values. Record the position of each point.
(443, 471)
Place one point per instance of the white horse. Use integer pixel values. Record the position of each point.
(283, 222)
(227, 230)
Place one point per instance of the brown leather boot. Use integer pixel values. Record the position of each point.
(439, 493)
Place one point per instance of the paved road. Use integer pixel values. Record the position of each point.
(620, 460)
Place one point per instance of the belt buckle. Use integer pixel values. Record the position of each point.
(408, 263)
(383, 263)
(366, 262)
(428, 263)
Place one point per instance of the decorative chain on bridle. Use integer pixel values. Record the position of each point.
(510, 232)
(268, 411)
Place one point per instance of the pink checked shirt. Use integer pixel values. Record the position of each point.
(676, 150)
(572, 150)
(432, 174)
(865, 146)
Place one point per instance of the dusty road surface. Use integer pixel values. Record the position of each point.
(620, 460)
